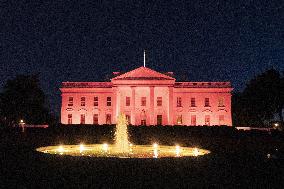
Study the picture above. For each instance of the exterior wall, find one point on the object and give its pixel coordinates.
(144, 82)
(200, 111)
(118, 104)
(89, 109)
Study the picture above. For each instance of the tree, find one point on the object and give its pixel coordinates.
(22, 98)
(260, 100)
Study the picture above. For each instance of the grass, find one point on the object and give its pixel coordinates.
(238, 159)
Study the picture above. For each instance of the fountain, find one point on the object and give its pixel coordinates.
(122, 148)
(121, 143)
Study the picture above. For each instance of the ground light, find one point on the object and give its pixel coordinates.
(82, 148)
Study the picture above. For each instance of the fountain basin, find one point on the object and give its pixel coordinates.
(135, 151)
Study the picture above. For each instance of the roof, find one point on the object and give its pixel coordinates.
(202, 85)
(86, 85)
(143, 73)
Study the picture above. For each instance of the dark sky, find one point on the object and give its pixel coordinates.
(86, 40)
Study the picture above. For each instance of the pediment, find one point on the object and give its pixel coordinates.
(143, 73)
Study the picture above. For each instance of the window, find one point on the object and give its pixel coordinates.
(221, 102)
(83, 101)
(143, 122)
(207, 120)
(69, 118)
(159, 119)
(178, 101)
(127, 101)
(159, 101)
(128, 119)
(221, 119)
(193, 120)
(70, 101)
(192, 102)
(108, 101)
(143, 101)
(206, 102)
(82, 120)
(96, 119)
(96, 101)
(108, 118)
(179, 120)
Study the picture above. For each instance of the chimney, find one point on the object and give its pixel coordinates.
(115, 73)
(171, 74)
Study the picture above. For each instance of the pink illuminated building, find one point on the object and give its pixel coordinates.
(147, 97)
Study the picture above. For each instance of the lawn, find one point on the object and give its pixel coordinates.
(237, 159)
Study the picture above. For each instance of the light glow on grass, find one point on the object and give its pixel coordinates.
(195, 152)
(82, 148)
(178, 150)
(60, 149)
(155, 145)
(105, 147)
(136, 151)
(156, 154)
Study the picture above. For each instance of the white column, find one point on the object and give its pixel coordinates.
(117, 102)
(170, 110)
(152, 100)
(114, 105)
(133, 112)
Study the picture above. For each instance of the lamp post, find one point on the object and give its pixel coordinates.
(22, 125)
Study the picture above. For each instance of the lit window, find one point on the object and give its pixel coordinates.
(96, 119)
(83, 101)
(221, 119)
(143, 101)
(179, 102)
(127, 101)
(96, 101)
(82, 120)
(108, 101)
(193, 120)
(207, 120)
(70, 101)
(108, 118)
(221, 102)
(159, 119)
(192, 102)
(159, 101)
(206, 102)
(179, 120)
(143, 122)
(69, 118)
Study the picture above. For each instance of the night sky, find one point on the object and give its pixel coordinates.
(85, 41)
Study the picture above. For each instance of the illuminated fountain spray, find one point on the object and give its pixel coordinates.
(178, 150)
(121, 135)
(155, 146)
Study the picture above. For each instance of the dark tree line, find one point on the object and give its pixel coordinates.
(260, 101)
(22, 98)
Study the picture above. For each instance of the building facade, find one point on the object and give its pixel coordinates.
(146, 97)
